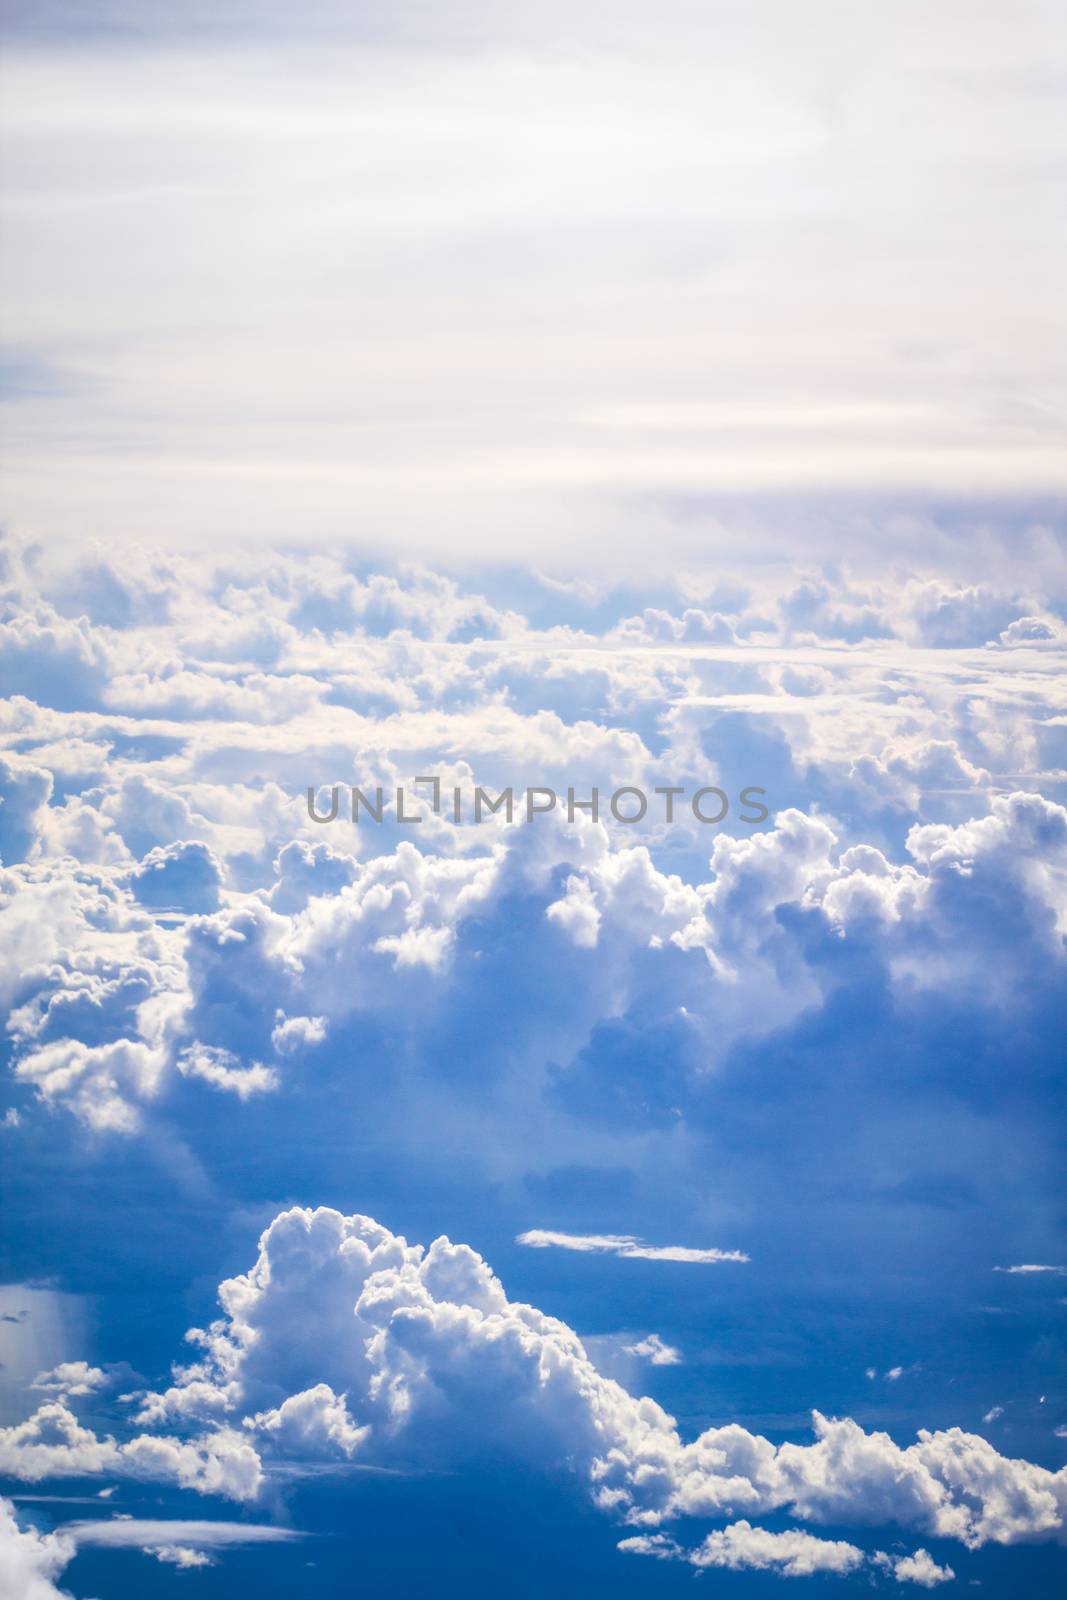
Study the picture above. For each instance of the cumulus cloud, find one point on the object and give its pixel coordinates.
(303, 871)
(70, 1380)
(47, 657)
(184, 876)
(182, 1556)
(52, 1443)
(919, 1568)
(24, 792)
(29, 1561)
(222, 1070)
(1030, 631)
(655, 1351)
(313, 1422)
(102, 1084)
(741, 1547)
(174, 827)
(343, 1341)
(726, 1015)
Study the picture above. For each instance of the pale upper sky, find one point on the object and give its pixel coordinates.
(544, 287)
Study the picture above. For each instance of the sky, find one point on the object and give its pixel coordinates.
(661, 405)
(489, 279)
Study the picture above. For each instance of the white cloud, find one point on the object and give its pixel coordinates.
(313, 1422)
(329, 933)
(290, 1034)
(183, 876)
(920, 1568)
(24, 792)
(659, 1545)
(69, 1379)
(741, 1547)
(222, 1070)
(52, 1443)
(30, 1560)
(106, 997)
(1030, 631)
(102, 1084)
(624, 1245)
(182, 1556)
(1032, 1267)
(577, 913)
(793, 1554)
(653, 1350)
(145, 1533)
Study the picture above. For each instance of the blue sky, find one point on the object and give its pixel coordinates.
(589, 400)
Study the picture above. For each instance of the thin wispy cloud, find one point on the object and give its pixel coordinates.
(1030, 1267)
(149, 1533)
(624, 1245)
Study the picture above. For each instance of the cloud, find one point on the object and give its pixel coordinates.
(291, 1034)
(184, 876)
(24, 791)
(655, 1351)
(755, 1012)
(43, 655)
(29, 1560)
(792, 1554)
(311, 1423)
(182, 1556)
(711, 1035)
(143, 1533)
(70, 1379)
(741, 1547)
(222, 1070)
(101, 1083)
(1028, 631)
(344, 1342)
(919, 1568)
(623, 1245)
(304, 870)
(52, 1443)
(1031, 1267)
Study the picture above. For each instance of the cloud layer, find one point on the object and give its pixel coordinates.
(775, 1060)
(344, 1342)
